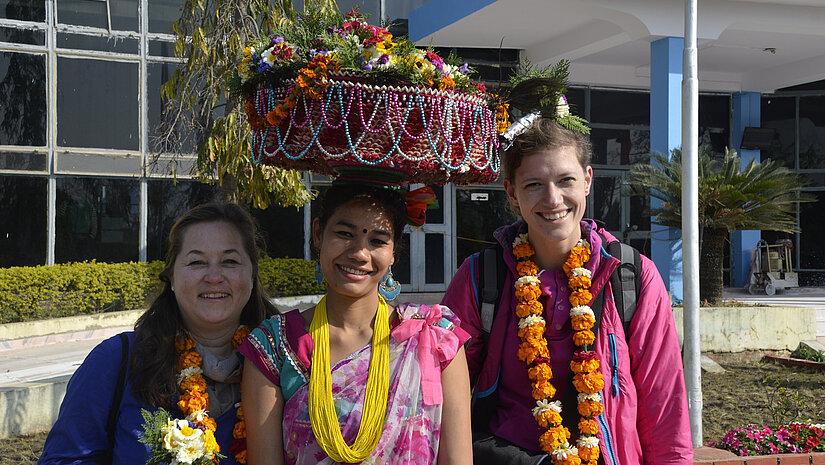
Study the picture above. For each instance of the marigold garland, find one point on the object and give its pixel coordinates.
(194, 400)
(533, 351)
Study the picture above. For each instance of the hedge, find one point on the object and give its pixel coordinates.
(39, 292)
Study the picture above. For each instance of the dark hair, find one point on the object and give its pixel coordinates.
(388, 200)
(153, 360)
(544, 134)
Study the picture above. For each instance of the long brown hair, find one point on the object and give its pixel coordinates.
(153, 376)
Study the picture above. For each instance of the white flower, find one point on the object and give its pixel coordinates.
(581, 272)
(530, 320)
(267, 57)
(521, 238)
(583, 243)
(198, 415)
(187, 372)
(544, 405)
(564, 451)
(594, 397)
(587, 441)
(528, 280)
(562, 108)
(581, 310)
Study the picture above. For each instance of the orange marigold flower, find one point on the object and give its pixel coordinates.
(526, 267)
(543, 390)
(272, 118)
(531, 307)
(529, 350)
(578, 282)
(193, 401)
(580, 322)
(590, 408)
(239, 413)
(446, 82)
(584, 366)
(193, 382)
(527, 293)
(588, 426)
(540, 371)
(583, 338)
(240, 430)
(590, 454)
(189, 360)
(240, 336)
(588, 383)
(581, 297)
(570, 460)
(184, 343)
(553, 437)
(523, 250)
(240, 457)
(207, 422)
(534, 331)
(291, 101)
(549, 419)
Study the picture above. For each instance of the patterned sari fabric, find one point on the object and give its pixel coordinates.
(423, 341)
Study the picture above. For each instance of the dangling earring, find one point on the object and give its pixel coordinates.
(319, 275)
(388, 287)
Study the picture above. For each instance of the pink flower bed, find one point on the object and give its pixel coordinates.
(795, 438)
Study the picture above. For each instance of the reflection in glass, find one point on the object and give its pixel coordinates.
(23, 99)
(106, 44)
(97, 219)
(159, 73)
(93, 13)
(811, 132)
(780, 114)
(607, 202)
(614, 107)
(97, 104)
(434, 258)
(22, 221)
(167, 202)
(23, 161)
(812, 224)
(24, 10)
(479, 212)
(162, 13)
(613, 147)
(22, 36)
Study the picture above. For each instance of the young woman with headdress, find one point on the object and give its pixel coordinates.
(356, 380)
(626, 403)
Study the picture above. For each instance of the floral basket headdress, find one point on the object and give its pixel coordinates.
(338, 96)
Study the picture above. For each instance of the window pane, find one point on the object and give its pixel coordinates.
(812, 224)
(97, 104)
(434, 258)
(97, 218)
(620, 107)
(436, 215)
(159, 73)
(160, 48)
(479, 211)
(22, 221)
(607, 202)
(104, 164)
(575, 99)
(162, 13)
(23, 99)
(613, 147)
(24, 10)
(780, 114)
(22, 36)
(93, 13)
(811, 132)
(23, 161)
(714, 123)
(167, 202)
(106, 44)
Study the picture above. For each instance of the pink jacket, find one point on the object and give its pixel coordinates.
(646, 416)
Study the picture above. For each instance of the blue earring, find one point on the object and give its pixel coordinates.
(319, 276)
(388, 287)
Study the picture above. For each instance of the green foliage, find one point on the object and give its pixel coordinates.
(809, 354)
(41, 292)
(152, 435)
(784, 403)
(761, 196)
(28, 293)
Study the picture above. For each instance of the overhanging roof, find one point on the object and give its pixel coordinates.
(745, 45)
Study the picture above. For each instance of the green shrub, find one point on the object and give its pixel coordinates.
(40, 292)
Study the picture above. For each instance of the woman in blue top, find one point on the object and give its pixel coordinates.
(210, 293)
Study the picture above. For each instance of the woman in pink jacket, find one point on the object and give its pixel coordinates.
(554, 381)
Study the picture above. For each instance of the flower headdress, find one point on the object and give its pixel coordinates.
(536, 93)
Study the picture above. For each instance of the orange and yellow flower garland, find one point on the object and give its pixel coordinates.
(194, 400)
(533, 351)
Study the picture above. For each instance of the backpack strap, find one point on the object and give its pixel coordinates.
(114, 411)
(626, 280)
(491, 270)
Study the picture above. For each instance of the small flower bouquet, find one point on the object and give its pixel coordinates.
(794, 438)
(173, 441)
(334, 95)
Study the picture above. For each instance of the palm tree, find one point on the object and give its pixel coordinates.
(761, 196)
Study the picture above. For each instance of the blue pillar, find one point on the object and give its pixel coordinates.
(746, 112)
(666, 134)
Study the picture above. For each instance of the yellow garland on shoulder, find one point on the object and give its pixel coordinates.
(534, 353)
(322, 414)
(194, 401)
